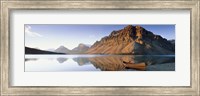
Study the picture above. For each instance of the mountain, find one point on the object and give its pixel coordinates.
(132, 40)
(172, 41)
(81, 48)
(50, 49)
(37, 51)
(62, 49)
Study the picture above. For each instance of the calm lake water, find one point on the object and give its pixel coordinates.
(61, 63)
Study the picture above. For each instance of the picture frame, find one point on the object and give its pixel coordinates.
(8, 5)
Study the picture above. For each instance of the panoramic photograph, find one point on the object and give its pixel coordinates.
(99, 47)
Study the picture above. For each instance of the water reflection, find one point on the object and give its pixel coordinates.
(103, 63)
(30, 59)
(61, 59)
(152, 60)
(81, 60)
(109, 63)
(124, 62)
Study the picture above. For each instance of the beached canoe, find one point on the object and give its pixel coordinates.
(137, 66)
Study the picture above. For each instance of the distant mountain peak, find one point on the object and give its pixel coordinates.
(81, 45)
(81, 48)
(61, 46)
(62, 49)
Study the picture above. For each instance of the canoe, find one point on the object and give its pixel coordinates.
(138, 66)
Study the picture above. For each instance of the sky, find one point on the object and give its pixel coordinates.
(51, 36)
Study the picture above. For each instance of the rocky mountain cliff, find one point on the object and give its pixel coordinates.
(132, 40)
(172, 41)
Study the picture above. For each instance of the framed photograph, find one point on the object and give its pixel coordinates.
(97, 47)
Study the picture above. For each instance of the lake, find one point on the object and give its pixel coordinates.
(62, 63)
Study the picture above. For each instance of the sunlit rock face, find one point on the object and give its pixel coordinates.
(132, 40)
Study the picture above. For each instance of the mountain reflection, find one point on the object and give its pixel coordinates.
(61, 60)
(109, 63)
(118, 62)
(100, 63)
(81, 61)
(153, 60)
(30, 59)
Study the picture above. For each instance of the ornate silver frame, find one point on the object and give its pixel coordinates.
(8, 5)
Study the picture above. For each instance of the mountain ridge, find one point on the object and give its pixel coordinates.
(81, 48)
(132, 40)
(29, 50)
(62, 49)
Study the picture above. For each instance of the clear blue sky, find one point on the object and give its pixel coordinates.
(47, 36)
